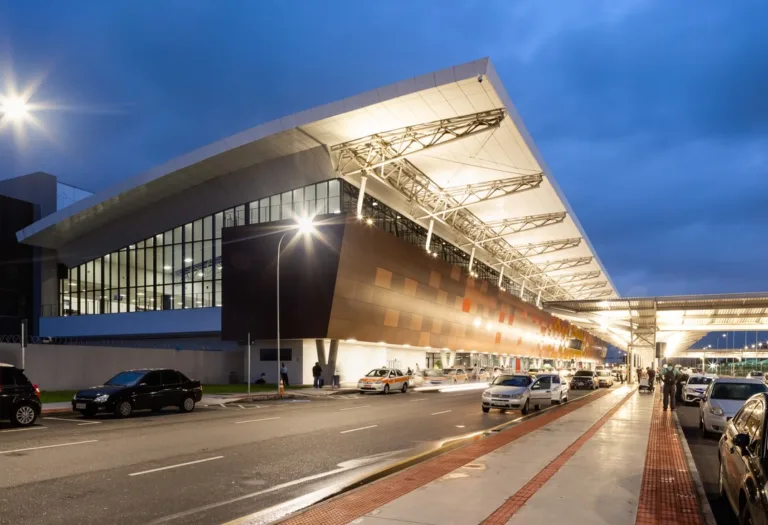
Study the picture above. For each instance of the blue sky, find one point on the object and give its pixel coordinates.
(653, 115)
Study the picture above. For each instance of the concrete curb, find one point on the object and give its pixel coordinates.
(45, 411)
(706, 510)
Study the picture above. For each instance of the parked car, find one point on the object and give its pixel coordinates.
(447, 376)
(417, 378)
(604, 378)
(724, 397)
(522, 392)
(754, 374)
(695, 387)
(585, 379)
(744, 462)
(478, 374)
(383, 380)
(19, 398)
(142, 389)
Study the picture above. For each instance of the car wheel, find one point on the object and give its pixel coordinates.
(486, 409)
(123, 409)
(23, 415)
(405, 388)
(188, 405)
(526, 408)
(386, 389)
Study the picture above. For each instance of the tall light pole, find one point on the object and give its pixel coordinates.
(305, 226)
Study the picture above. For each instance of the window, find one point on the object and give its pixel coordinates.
(556, 380)
(153, 379)
(754, 422)
(736, 391)
(21, 379)
(740, 419)
(270, 354)
(170, 377)
(544, 383)
(7, 377)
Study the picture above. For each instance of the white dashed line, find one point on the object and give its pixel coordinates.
(22, 429)
(356, 429)
(79, 422)
(48, 446)
(255, 420)
(354, 408)
(438, 413)
(418, 399)
(175, 466)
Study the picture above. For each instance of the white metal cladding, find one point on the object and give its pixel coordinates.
(484, 172)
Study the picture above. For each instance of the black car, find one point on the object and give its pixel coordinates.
(744, 461)
(138, 390)
(19, 398)
(585, 379)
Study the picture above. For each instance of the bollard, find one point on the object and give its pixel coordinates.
(280, 388)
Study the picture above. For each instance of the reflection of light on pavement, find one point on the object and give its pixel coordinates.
(468, 386)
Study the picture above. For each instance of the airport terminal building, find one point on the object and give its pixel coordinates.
(439, 233)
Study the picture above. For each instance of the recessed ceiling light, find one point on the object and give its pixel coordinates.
(166, 267)
(188, 260)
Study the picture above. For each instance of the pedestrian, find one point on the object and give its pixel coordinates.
(337, 375)
(284, 375)
(651, 378)
(316, 373)
(621, 376)
(669, 378)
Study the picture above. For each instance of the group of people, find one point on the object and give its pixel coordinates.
(671, 378)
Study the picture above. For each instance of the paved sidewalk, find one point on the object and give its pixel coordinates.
(605, 459)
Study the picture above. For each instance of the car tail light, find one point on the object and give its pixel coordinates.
(37, 390)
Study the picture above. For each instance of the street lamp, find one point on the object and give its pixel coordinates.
(305, 227)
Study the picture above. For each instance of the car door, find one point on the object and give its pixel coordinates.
(148, 391)
(556, 388)
(541, 391)
(7, 391)
(172, 392)
(754, 475)
(734, 466)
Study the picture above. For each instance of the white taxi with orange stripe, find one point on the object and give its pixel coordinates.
(384, 380)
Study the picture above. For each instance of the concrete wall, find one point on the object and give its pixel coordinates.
(65, 367)
(296, 374)
(189, 321)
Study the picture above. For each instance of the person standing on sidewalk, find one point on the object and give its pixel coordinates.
(651, 378)
(317, 372)
(669, 378)
(284, 374)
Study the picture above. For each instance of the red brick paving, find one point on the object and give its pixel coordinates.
(668, 495)
(515, 502)
(357, 503)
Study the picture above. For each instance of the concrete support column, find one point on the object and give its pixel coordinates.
(330, 370)
(429, 233)
(471, 259)
(361, 195)
(320, 351)
(452, 359)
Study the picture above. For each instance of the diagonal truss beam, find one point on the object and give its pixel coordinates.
(562, 264)
(541, 248)
(596, 295)
(563, 280)
(579, 287)
(373, 151)
(500, 229)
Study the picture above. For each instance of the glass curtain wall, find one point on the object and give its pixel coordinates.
(180, 268)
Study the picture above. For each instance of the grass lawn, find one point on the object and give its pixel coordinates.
(57, 396)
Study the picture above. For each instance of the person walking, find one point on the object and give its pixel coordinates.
(284, 374)
(317, 372)
(651, 378)
(669, 378)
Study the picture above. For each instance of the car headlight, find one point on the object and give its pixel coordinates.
(101, 399)
(516, 396)
(378, 382)
(716, 410)
(486, 394)
(74, 397)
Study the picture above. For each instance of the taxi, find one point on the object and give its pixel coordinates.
(383, 380)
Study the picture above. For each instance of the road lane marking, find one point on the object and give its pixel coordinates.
(255, 420)
(438, 413)
(48, 446)
(78, 421)
(354, 408)
(175, 466)
(356, 429)
(418, 399)
(21, 429)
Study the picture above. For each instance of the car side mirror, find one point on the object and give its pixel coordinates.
(742, 441)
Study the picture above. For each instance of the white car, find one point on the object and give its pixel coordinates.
(723, 399)
(694, 388)
(754, 374)
(604, 378)
(523, 392)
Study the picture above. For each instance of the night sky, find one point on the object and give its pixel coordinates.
(653, 115)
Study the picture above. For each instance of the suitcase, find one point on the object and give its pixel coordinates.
(322, 382)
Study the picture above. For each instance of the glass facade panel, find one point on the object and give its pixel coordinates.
(181, 267)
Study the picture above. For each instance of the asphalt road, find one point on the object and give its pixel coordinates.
(704, 451)
(217, 464)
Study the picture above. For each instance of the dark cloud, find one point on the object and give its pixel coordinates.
(651, 114)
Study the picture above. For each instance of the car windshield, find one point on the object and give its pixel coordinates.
(737, 391)
(449, 371)
(699, 380)
(512, 381)
(377, 373)
(125, 379)
(584, 373)
(603, 373)
(432, 373)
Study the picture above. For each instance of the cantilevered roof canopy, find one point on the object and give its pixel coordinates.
(679, 321)
(449, 145)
